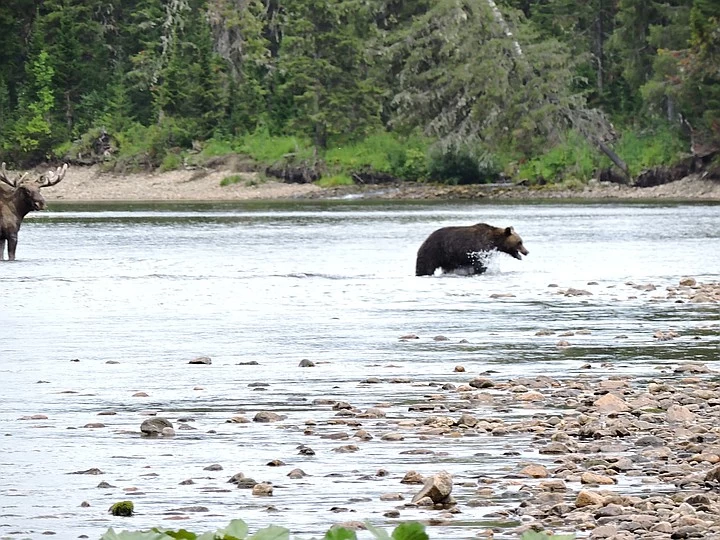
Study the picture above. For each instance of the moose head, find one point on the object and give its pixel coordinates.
(22, 197)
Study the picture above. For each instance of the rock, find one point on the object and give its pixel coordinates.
(594, 478)
(267, 416)
(713, 475)
(392, 497)
(604, 531)
(649, 440)
(235, 478)
(152, 427)
(535, 471)
(262, 490)
(588, 498)
(611, 404)
(306, 363)
(481, 382)
(680, 414)
(412, 477)
(688, 282)
(122, 508)
(296, 473)
(346, 449)
(437, 488)
(201, 360)
(467, 420)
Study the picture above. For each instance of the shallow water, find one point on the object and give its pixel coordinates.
(149, 287)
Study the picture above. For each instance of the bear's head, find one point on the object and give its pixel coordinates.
(512, 244)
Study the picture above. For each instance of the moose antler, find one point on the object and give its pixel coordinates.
(52, 177)
(5, 178)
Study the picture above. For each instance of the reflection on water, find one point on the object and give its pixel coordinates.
(108, 301)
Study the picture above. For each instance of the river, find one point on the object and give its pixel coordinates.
(107, 304)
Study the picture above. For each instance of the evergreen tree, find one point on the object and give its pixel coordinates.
(32, 132)
(326, 71)
(463, 79)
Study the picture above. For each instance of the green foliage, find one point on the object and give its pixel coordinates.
(232, 179)
(171, 161)
(122, 508)
(32, 131)
(349, 77)
(326, 69)
(462, 164)
(216, 147)
(572, 158)
(336, 180)
(266, 148)
(402, 157)
(238, 530)
(650, 148)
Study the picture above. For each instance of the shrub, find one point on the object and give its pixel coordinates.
(230, 180)
(572, 158)
(171, 162)
(646, 149)
(266, 148)
(462, 165)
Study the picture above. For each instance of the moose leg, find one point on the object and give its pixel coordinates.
(2, 249)
(12, 245)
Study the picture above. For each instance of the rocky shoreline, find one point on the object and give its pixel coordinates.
(89, 184)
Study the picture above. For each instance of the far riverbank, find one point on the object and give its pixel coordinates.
(89, 184)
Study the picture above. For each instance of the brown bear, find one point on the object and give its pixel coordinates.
(462, 248)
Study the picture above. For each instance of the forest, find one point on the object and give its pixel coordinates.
(448, 90)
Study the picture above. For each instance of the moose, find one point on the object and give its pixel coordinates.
(22, 196)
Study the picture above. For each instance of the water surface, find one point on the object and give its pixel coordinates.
(107, 301)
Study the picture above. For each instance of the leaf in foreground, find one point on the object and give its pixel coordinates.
(273, 532)
(340, 533)
(410, 531)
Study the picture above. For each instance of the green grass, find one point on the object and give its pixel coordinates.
(382, 152)
(266, 148)
(336, 180)
(230, 180)
(643, 150)
(216, 147)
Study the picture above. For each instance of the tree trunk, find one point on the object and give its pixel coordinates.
(497, 14)
(614, 158)
(599, 50)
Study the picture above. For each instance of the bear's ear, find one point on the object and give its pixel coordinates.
(508, 231)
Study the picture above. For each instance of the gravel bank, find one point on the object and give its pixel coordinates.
(90, 184)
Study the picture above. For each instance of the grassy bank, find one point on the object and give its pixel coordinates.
(384, 156)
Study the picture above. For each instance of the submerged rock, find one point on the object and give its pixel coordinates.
(153, 427)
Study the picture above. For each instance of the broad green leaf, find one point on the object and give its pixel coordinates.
(237, 529)
(410, 531)
(272, 532)
(340, 533)
(153, 534)
(182, 534)
(377, 532)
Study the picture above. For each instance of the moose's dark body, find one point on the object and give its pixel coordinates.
(19, 197)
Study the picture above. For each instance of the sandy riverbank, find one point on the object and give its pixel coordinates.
(90, 184)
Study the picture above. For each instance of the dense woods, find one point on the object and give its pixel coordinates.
(450, 89)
